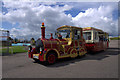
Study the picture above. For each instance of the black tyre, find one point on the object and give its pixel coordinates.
(36, 60)
(51, 58)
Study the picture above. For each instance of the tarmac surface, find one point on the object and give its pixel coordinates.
(103, 64)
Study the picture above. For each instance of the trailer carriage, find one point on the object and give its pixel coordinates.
(96, 39)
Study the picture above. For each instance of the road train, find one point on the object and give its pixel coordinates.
(69, 41)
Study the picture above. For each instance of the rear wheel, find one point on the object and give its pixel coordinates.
(51, 58)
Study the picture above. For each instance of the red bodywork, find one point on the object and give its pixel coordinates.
(55, 44)
(66, 47)
(93, 47)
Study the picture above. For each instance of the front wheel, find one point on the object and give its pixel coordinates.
(51, 58)
(36, 60)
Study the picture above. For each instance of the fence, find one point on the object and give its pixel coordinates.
(4, 42)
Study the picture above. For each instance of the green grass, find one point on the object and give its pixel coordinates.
(14, 49)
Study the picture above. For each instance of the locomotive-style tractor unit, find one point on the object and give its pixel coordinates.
(96, 39)
(69, 42)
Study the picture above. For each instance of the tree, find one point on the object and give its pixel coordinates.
(32, 39)
(15, 39)
(9, 38)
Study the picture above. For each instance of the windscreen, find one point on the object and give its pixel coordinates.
(64, 33)
(87, 35)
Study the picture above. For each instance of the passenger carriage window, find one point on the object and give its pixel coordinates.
(87, 35)
(63, 33)
(77, 34)
(104, 38)
(101, 38)
(96, 36)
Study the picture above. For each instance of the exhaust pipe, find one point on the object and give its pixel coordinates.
(43, 31)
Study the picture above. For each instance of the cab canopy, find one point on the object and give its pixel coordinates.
(70, 32)
(68, 27)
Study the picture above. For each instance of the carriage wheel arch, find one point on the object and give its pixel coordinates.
(73, 53)
(51, 51)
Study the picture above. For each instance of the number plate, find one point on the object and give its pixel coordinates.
(36, 56)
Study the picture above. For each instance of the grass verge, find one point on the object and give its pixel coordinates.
(13, 49)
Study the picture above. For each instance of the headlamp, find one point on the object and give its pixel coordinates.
(30, 48)
(40, 49)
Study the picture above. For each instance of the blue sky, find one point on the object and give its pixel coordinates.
(23, 19)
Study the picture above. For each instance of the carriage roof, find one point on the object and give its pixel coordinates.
(91, 28)
(66, 26)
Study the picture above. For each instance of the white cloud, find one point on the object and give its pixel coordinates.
(30, 18)
(98, 17)
(31, 15)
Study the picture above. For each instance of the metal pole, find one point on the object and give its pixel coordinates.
(8, 42)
